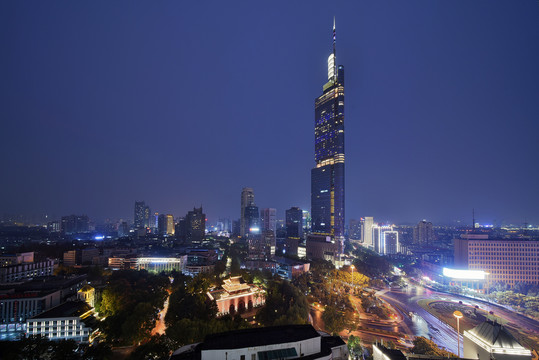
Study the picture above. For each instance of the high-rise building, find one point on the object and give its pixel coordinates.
(268, 217)
(327, 177)
(385, 239)
(366, 232)
(165, 224)
(247, 199)
(306, 222)
(142, 215)
(73, 224)
(354, 231)
(195, 226)
(423, 233)
(294, 223)
(391, 243)
(251, 219)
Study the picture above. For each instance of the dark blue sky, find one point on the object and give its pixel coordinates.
(184, 103)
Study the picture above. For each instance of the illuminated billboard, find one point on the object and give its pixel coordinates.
(464, 274)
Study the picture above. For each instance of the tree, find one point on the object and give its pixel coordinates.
(158, 347)
(333, 319)
(425, 346)
(354, 346)
(285, 305)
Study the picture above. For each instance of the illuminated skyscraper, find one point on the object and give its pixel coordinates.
(247, 199)
(327, 178)
(142, 215)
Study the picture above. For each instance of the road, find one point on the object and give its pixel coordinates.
(422, 323)
(160, 325)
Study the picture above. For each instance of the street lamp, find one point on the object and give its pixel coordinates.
(458, 315)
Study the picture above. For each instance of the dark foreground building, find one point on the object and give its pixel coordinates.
(327, 178)
(277, 342)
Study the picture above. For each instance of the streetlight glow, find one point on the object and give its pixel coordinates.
(458, 315)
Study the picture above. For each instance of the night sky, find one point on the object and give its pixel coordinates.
(182, 103)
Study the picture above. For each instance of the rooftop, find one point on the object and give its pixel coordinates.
(67, 309)
(496, 335)
(258, 337)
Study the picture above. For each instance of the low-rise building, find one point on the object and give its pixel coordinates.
(26, 271)
(277, 342)
(18, 306)
(70, 320)
(237, 296)
(491, 340)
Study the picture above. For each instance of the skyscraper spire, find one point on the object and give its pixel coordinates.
(332, 59)
(334, 37)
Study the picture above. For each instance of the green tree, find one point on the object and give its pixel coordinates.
(285, 304)
(159, 347)
(354, 346)
(334, 320)
(425, 346)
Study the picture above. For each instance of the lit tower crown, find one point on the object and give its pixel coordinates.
(332, 59)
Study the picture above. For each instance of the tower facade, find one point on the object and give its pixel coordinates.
(327, 177)
(142, 215)
(268, 218)
(247, 200)
(294, 223)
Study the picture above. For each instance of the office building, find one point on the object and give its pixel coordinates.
(506, 261)
(74, 224)
(366, 232)
(294, 223)
(261, 245)
(354, 230)
(306, 222)
(80, 256)
(142, 215)
(327, 177)
(322, 247)
(247, 199)
(165, 225)
(195, 226)
(423, 233)
(251, 220)
(268, 218)
(391, 243)
(277, 342)
(381, 235)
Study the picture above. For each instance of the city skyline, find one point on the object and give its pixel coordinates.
(155, 104)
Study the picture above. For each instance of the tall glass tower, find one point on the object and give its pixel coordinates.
(327, 177)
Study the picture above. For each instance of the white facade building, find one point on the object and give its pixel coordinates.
(278, 342)
(71, 320)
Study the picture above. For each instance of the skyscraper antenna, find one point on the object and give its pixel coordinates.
(473, 219)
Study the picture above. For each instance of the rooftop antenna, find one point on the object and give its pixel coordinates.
(473, 219)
